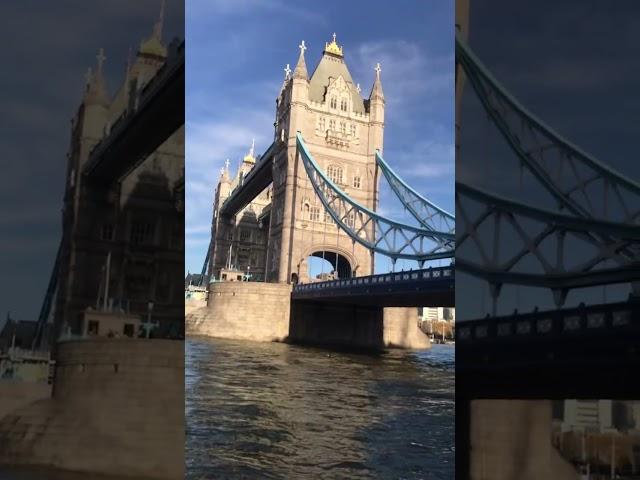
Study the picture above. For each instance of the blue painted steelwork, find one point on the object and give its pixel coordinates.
(375, 232)
(423, 210)
(45, 309)
(572, 176)
(609, 230)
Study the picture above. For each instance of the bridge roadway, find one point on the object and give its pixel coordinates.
(429, 287)
(139, 132)
(584, 352)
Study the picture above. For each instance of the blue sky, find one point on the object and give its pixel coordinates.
(237, 50)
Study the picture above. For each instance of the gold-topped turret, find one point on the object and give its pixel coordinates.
(333, 47)
(250, 158)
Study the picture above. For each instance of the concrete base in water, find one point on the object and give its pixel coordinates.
(263, 312)
(512, 439)
(117, 409)
(243, 311)
(16, 395)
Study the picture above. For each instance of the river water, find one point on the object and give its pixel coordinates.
(278, 411)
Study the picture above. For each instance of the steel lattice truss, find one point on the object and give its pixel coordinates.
(430, 216)
(599, 209)
(580, 184)
(519, 244)
(375, 232)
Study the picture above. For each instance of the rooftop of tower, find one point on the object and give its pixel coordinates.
(331, 66)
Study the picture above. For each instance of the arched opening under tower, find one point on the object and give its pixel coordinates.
(328, 265)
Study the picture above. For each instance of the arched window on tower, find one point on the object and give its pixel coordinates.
(334, 102)
(356, 181)
(335, 174)
(332, 125)
(352, 128)
(306, 211)
(343, 105)
(322, 124)
(343, 128)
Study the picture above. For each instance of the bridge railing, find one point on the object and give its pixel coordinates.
(436, 273)
(579, 321)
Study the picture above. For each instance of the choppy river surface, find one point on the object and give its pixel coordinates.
(269, 410)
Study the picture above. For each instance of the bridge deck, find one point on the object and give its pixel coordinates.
(138, 133)
(416, 288)
(586, 352)
(259, 178)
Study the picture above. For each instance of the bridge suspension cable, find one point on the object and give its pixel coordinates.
(430, 215)
(573, 177)
(368, 228)
(537, 254)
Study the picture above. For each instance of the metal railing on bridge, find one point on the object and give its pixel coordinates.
(372, 284)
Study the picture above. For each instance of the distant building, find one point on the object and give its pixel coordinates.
(17, 333)
(438, 313)
(195, 279)
(587, 416)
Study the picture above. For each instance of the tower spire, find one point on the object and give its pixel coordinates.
(153, 45)
(301, 67)
(157, 28)
(376, 91)
(95, 91)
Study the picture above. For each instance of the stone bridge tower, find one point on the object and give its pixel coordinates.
(342, 131)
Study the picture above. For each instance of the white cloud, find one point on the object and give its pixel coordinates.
(407, 70)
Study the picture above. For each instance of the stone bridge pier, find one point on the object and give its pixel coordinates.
(265, 312)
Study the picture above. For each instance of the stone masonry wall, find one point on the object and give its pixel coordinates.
(243, 310)
(401, 329)
(117, 409)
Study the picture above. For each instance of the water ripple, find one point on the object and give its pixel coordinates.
(279, 411)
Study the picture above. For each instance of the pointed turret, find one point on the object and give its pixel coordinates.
(96, 92)
(224, 173)
(301, 67)
(376, 113)
(376, 91)
(153, 45)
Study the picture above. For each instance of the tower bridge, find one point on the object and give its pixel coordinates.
(315, 193)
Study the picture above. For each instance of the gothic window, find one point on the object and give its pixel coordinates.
(343, 105)
(327, 217)
(245, 235)
(141, 233)
(334, 102)
(322, 124)
(230, 236)
(314, 215)
(305, 210)
(353, 130)
(356, 181)
(332, 125)
(335, 174)
(343, 128)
